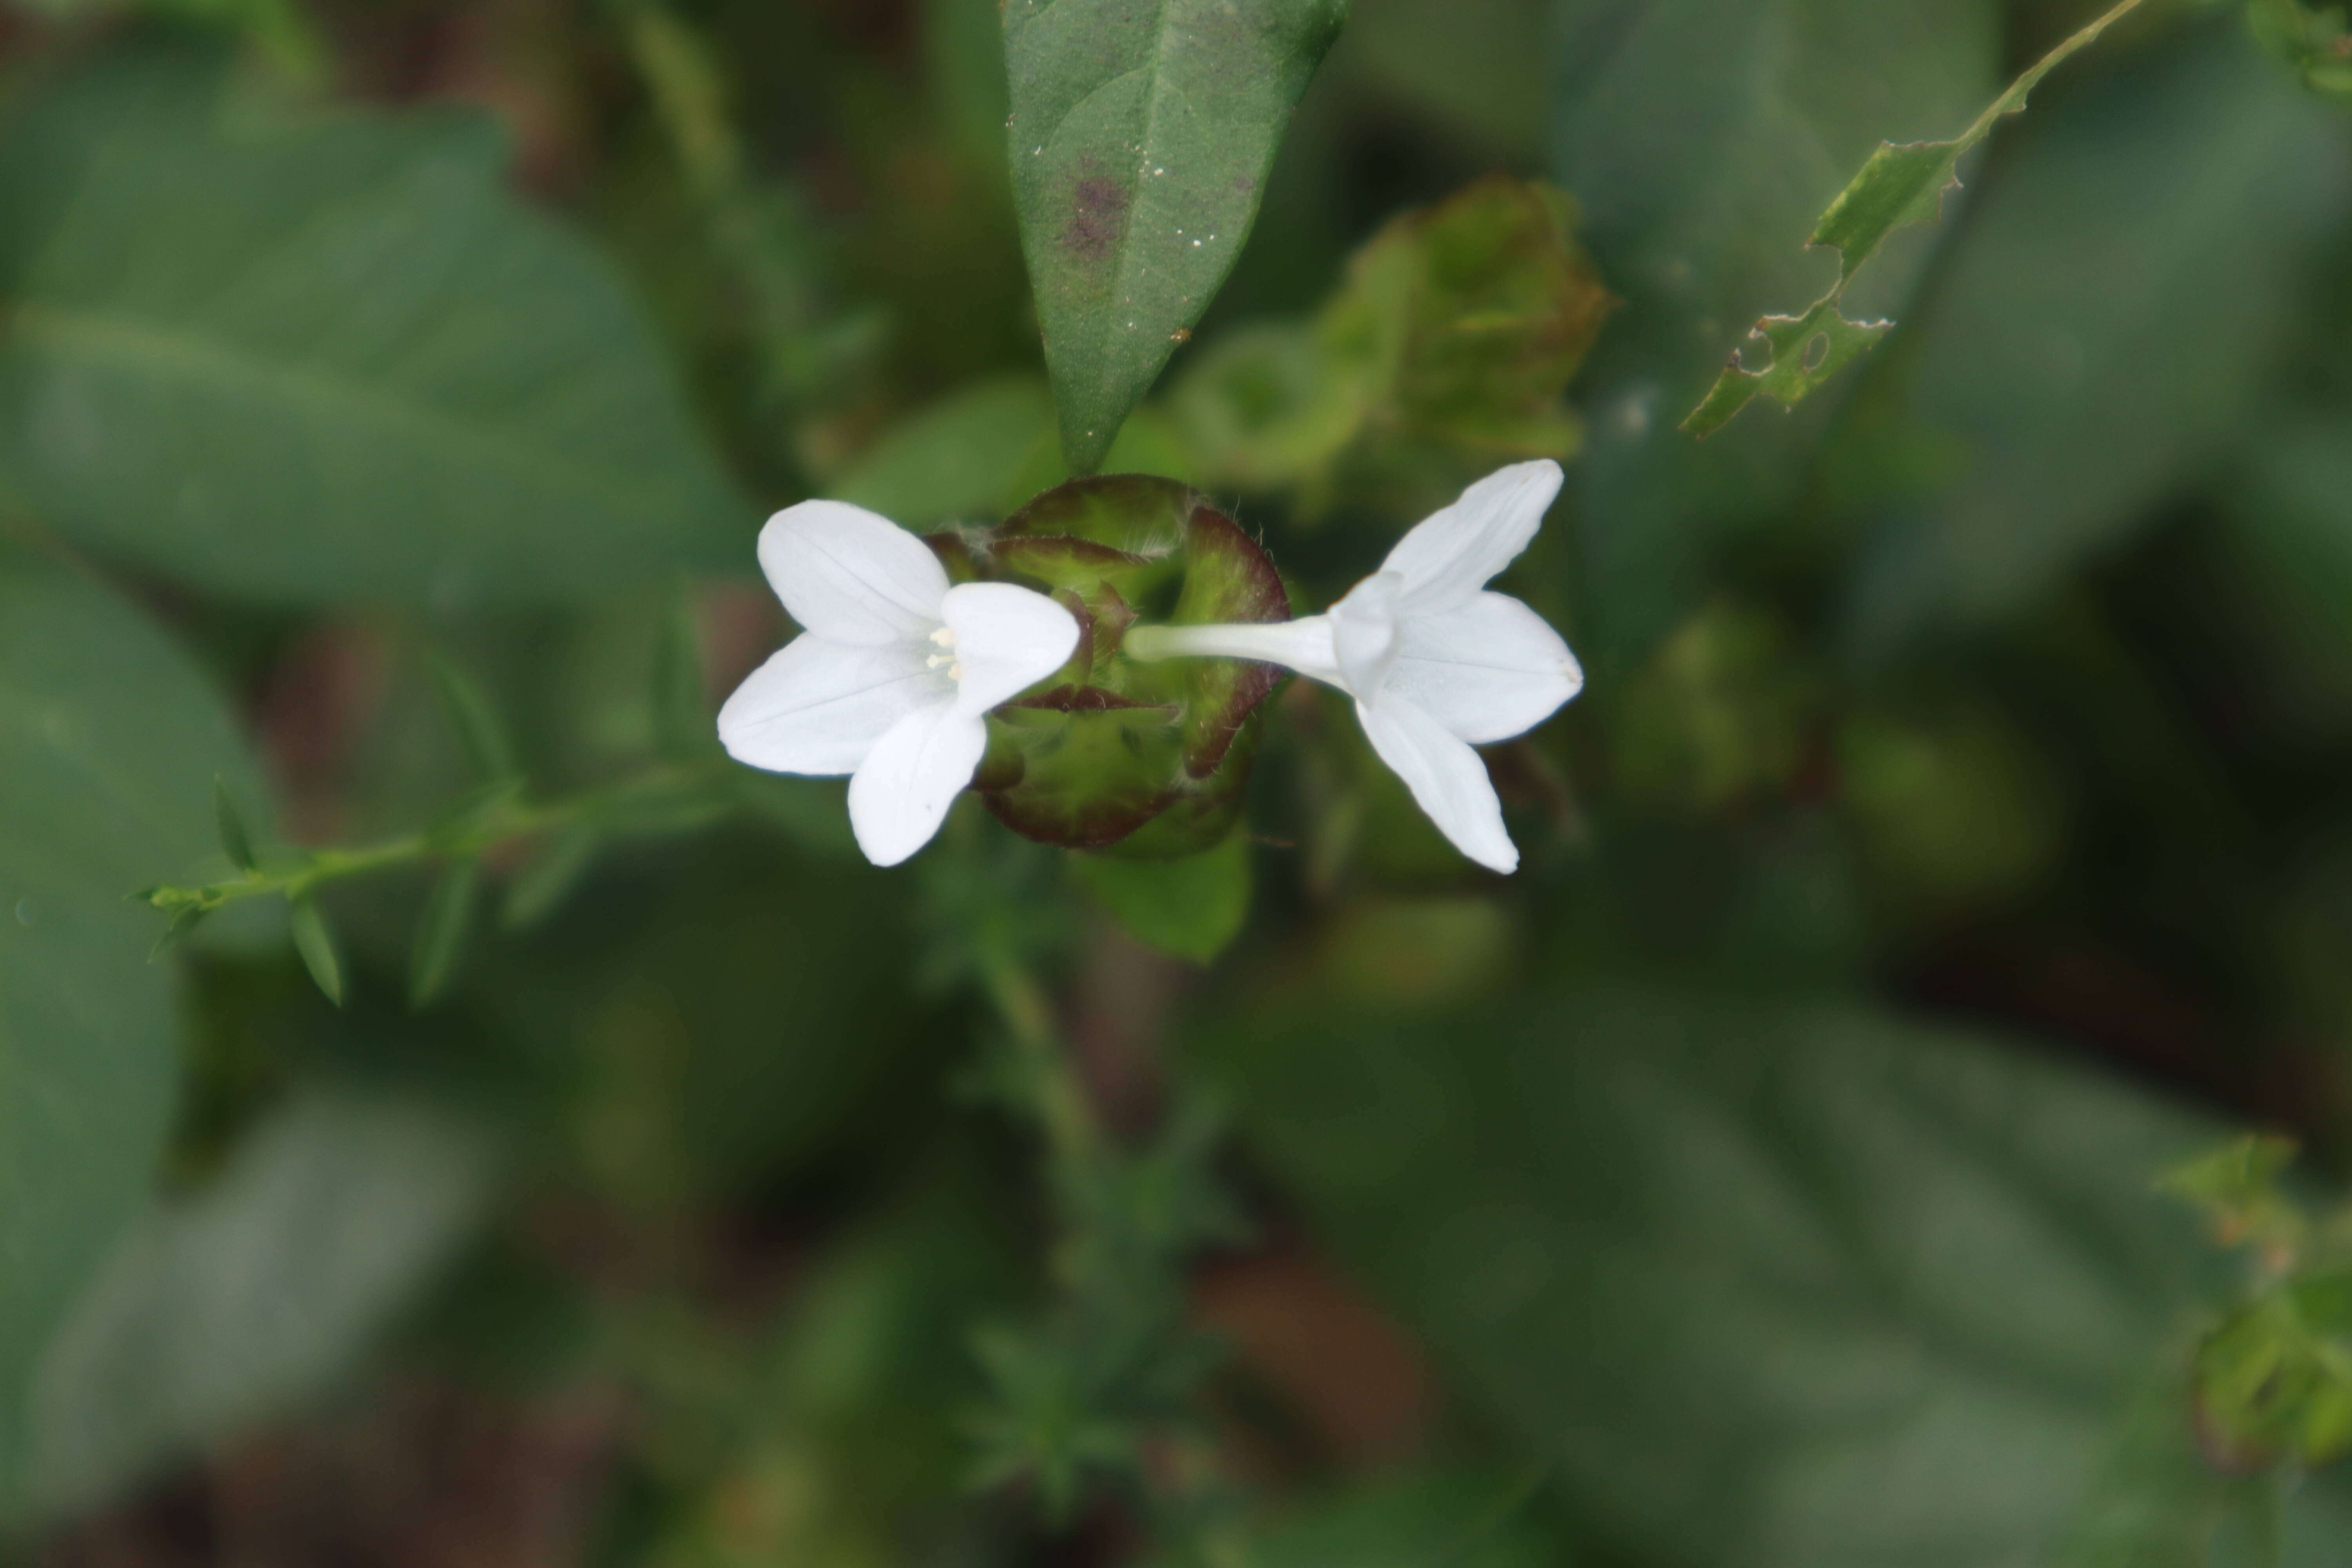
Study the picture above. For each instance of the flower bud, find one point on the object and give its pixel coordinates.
(1148, 761)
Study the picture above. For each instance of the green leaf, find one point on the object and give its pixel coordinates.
(955, 460)
(316, 944)
(1703, 138)
(1193, 907)
(550, 875)
(236, 1304)
(1900, 186)
(1141, 138)
(1774, 1285)
(441, 933)
(2071, 407)
(300, 357)
(476, 719)
(236, 842)
(109, 745)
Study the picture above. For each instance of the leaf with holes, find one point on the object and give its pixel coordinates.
(1900, 186)
(1141, 138)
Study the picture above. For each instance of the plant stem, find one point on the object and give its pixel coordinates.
(2012, 101)
(1072, 1130)
(502, 815)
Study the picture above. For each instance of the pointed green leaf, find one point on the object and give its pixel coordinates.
(300, 357)
(183, 921)
(1141, 138)
(316, 943)
(441, 935)
(476, 718)
(551, 875)
(236, 842)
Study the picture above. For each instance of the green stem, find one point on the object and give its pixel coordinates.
(1072, 1132)
(2018, 90)
(502, 819)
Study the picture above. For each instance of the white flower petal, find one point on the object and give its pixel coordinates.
(1454, 554)
(1007, 639)
(1487, 669)
(1364, 631)
(818, 705)
(901, 793)
(848, 574)
(1447, 779)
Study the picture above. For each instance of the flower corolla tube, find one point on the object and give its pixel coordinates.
(1435, 662)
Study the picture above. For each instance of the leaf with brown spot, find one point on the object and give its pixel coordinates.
(1141, 136)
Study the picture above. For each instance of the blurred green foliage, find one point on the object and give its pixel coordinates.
(1952, 841)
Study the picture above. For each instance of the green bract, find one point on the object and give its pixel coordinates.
(1446, 352)
(1148, 758)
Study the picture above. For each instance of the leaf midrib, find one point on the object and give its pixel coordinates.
(190, 358)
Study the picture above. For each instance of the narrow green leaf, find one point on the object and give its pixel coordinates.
(1193, 907)
(550, 875)
(183, 921)
(476, 718)
(316, 943)
(1141, 138)
(236, 842)
(683, 724)
(1900, 186)
(441, 935)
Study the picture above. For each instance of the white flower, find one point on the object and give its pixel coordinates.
(1436, 665)
(892, 677)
